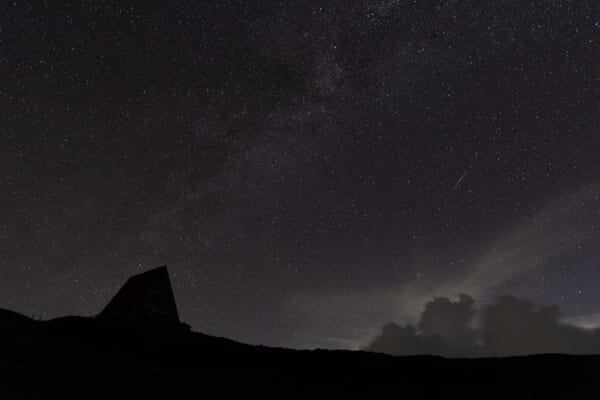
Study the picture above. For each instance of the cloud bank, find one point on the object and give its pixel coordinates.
(564, 227)
(508, 327)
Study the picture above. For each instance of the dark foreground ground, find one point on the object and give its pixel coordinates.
(85, 358)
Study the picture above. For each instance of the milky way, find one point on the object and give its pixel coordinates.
(296, 164)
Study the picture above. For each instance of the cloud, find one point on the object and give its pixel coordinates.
(449, 320)
(589, 321)
(560, 227)
(509, 327)
(557, 230)
(444, 329)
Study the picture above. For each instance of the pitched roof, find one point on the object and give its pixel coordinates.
(145, 296)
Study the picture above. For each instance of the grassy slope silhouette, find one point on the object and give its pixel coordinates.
(99, 357)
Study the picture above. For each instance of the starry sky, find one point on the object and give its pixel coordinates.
(307, 170)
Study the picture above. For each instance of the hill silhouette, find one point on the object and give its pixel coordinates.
(136, 348)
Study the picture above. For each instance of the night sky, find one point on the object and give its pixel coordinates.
(308, 170)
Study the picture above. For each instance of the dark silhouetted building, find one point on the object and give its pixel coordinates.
(147, 296)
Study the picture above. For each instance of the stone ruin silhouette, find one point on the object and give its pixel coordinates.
(144, 297)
